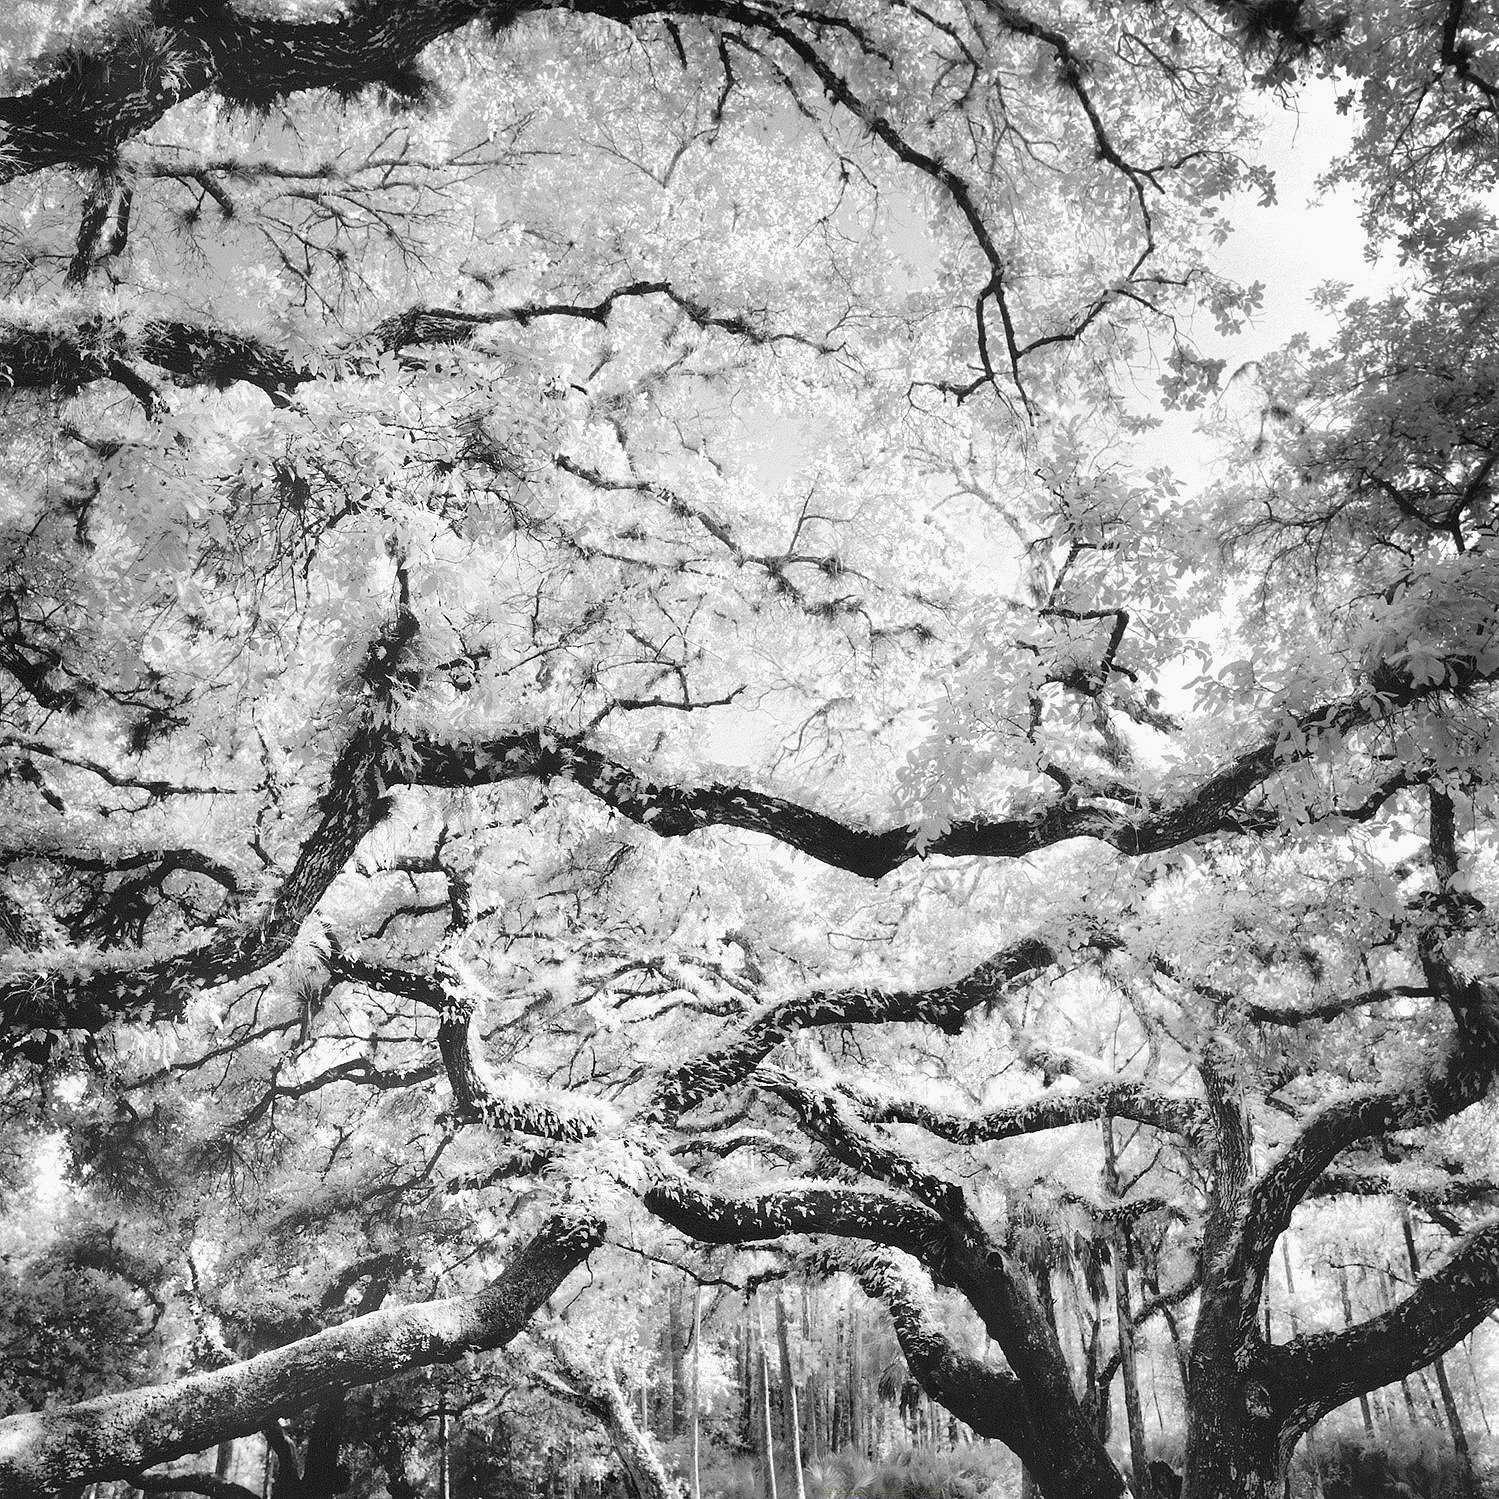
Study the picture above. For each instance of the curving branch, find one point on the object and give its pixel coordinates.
(1429, 1192)
(62, 357)
(1321, 1371)
(986, 1398)
(89, 996)
(1215, 804)
(158, 863)
(826, 1116)
(945, 1006)
(115, 1436)
(1444, 1089)
(719, 1217)
(92, 97)
(475, 1100)
(588, 1384)
(449, 326)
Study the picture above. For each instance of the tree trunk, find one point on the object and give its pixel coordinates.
(697, 1392)
(1124, 1321)
(320, 1470)
(790, 1417)
(1235, 1441)
(1293, 1317)
(677, 1409)
(1128, 1369)
(767, 1434)
(1363, 1400)
(1449, 1402)
(855, 1384)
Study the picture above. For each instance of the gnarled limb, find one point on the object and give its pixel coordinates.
(118, 1435)
(1122, 1098)
(92, 994)
(66, 357)
(1320, 1371)
(93, 97)
(987, 1398)
(719, 1217)
(944, 1005)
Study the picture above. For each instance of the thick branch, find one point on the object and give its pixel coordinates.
(1119, 1099)
(1323, 1370)
(1213, 805)
(207, 1484)
(986, 1398)
(827, 1118)
(718, 1217)
(944, 1005)
(95, 96)
(56, 356)
(1446, 1088)
(475, 1101)
(134, 988)
(117, 1435)
(89, 995)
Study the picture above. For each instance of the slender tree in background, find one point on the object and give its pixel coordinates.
(594, 640)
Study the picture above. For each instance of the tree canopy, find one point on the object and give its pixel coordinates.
(659, 625)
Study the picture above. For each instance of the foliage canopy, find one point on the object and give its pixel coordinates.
(596, 644)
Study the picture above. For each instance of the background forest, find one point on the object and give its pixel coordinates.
(710, 782)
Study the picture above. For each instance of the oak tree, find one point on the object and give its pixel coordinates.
(592, 624)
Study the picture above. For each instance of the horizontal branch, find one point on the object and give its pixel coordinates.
(719, 1217)
(91, 995)
(64, 357)
(116, 1436)
(208, 1484)
(450, 325)
(91, 98)
(1119, 1099)
(945, 1006)
(1214, 805)
(1431, 1191)
(1331, 1009)
(158, 862)
(59, 357)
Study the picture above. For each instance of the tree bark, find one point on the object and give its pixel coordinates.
(596, 1391)
(1363, 1400)
(118, 1435)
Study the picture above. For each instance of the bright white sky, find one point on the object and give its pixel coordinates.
(1307, 237)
